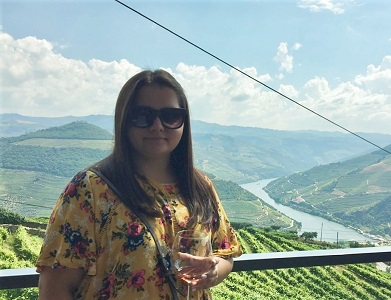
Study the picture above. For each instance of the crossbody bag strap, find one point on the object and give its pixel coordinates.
(161, 256)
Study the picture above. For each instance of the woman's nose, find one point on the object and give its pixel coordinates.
(157, 124)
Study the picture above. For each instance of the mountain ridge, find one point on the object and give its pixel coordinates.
(238, 154)
(225, 156)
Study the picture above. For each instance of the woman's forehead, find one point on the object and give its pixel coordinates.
(159, 96)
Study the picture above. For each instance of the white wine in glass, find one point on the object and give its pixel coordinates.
(193, 242)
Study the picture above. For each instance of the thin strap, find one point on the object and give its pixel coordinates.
(143, 219)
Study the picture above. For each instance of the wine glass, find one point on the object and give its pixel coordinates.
(191, 242)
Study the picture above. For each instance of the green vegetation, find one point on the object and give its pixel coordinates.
(245, 154)
(74, 130)
(29, 193)
(8, 217)
(258, 214)
(33, 194)
(61, 151)
(57, 161)
(361, 281)
(106, 145)
(238, 154)
(35, 168)
(20, 247)
(243, 206)
(355, 192)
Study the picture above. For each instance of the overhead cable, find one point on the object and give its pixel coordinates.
(251, 77)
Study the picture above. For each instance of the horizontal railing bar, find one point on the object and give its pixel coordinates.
(311, 258)
(18, 278)
(27, 277)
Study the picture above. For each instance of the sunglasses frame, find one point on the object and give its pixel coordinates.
(156, 113)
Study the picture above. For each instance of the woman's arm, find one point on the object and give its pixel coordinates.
(224, 267)
(59, 284)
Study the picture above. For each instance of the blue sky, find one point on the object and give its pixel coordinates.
(71, 58)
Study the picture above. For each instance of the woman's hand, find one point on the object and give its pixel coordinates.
(204, 272)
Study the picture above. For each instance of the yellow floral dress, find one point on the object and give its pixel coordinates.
(90, 228)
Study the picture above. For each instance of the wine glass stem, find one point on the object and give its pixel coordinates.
(188, 291)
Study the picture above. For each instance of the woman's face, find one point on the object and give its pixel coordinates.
(156, 141)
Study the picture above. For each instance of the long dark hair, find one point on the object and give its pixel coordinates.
(120, 168)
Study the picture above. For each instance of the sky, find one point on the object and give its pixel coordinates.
(331, 58)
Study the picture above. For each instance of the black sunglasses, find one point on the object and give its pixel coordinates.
(171, 118)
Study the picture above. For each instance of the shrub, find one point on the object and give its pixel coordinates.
(7, 217)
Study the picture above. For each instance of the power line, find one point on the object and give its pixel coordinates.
(251, 77)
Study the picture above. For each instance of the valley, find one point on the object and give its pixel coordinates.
(353, 190)
(36, 166)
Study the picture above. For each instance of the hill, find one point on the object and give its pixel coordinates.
(334, 191)
(36, 193)
(15, 125)
(30, 161)
(60, 151)
(238, 154)
(356, 192)
(74, 130)
(377, 216)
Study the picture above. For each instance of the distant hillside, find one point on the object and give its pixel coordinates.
(30, 161)
(15, 125)
(250, 154)
(239, 154)
(339, 191)
(45, 151)
(377, 216)
(75, 130)
(355, 192)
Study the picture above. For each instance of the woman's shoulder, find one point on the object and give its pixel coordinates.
(86, 181)
(85, 175)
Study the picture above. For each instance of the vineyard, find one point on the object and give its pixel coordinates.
(363, 281)
(360, 281)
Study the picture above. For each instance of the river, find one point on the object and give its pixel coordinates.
(327, 230)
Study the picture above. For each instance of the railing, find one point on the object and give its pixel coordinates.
(27, 277)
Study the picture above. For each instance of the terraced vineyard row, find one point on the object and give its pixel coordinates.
(360, 281)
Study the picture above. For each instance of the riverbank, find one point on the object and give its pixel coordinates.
(327, 230)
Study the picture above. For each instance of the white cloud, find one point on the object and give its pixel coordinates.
(285, 60)
(335, 6)
(218, 97)
(289, 91)
(37, 81)
(377, 79)
(297, 46)
(350, 105)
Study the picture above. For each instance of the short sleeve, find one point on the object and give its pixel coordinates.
(224, 240)
(70, 235)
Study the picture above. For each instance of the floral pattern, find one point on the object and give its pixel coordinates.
(90, 228)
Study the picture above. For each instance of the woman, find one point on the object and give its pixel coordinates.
(98, 245)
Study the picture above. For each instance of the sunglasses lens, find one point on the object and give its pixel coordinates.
(172, 117)
(141, 117)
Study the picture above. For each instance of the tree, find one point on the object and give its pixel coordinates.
(309, 235)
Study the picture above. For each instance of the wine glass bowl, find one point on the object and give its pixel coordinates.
(190, 243)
